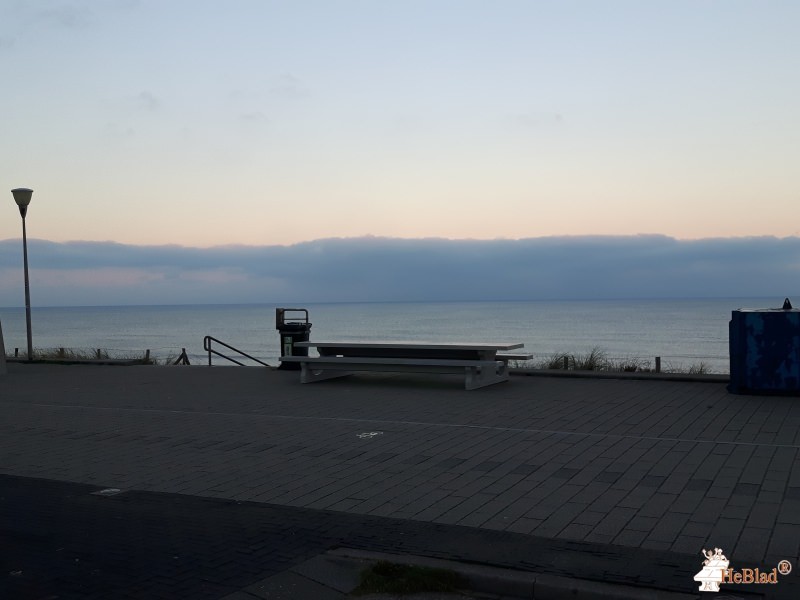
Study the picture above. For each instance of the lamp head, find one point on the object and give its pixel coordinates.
(22, 196)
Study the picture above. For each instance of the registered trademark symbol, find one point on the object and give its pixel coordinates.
(784, 567)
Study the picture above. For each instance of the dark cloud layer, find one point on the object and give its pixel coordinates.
(389, 269)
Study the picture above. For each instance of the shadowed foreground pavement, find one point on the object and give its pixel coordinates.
(240, 473)
(66, 542)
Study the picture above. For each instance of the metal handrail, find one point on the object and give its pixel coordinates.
(207, 347)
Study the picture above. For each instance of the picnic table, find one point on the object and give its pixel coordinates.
(479, 362)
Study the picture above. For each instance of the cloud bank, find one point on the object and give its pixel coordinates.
(372, 269)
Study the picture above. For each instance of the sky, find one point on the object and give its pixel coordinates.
(274, 124)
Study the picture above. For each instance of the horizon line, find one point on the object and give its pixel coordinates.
(583, 236)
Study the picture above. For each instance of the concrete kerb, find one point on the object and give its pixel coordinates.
(102, 362)
(482, 578)
(682, 377)
(520, 371)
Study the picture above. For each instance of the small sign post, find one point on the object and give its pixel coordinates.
(2, 352)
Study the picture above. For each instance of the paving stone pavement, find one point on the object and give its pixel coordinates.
(661, 466)
(62, 540)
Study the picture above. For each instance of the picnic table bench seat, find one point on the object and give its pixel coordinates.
(507, 357)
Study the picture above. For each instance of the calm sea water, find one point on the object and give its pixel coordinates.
(682, 332)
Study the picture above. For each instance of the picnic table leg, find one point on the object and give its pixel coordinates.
(477, 377)
(310, 374)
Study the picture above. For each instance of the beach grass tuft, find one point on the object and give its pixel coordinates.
(700, 368)
(85, 355)
(597, 359)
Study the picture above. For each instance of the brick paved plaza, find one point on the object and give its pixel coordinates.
(659, 465)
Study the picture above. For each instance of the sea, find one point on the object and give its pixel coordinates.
(685, 333)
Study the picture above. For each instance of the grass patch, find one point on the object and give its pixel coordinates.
(698, 368)
(597, 359)
(555, 361)
(385, 577)
(594, 360)
(630, 365)
(69, 354)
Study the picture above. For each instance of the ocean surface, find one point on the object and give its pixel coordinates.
(682, 332)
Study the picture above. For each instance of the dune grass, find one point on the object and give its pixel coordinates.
(85, 355)
(597, 359)
(698, 368)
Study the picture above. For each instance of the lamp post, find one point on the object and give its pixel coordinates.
(22, 196)
(2, 352)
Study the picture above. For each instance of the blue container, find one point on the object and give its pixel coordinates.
(765, 351)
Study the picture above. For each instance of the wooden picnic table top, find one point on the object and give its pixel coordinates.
(479, 346)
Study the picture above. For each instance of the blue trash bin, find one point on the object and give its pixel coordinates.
(765, 351)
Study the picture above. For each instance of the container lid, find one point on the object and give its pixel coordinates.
(768, 310)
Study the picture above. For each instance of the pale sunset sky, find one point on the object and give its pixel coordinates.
(458, 149)
(258, 122)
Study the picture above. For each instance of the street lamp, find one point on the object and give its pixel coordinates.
(2, 352)
(22, 196)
